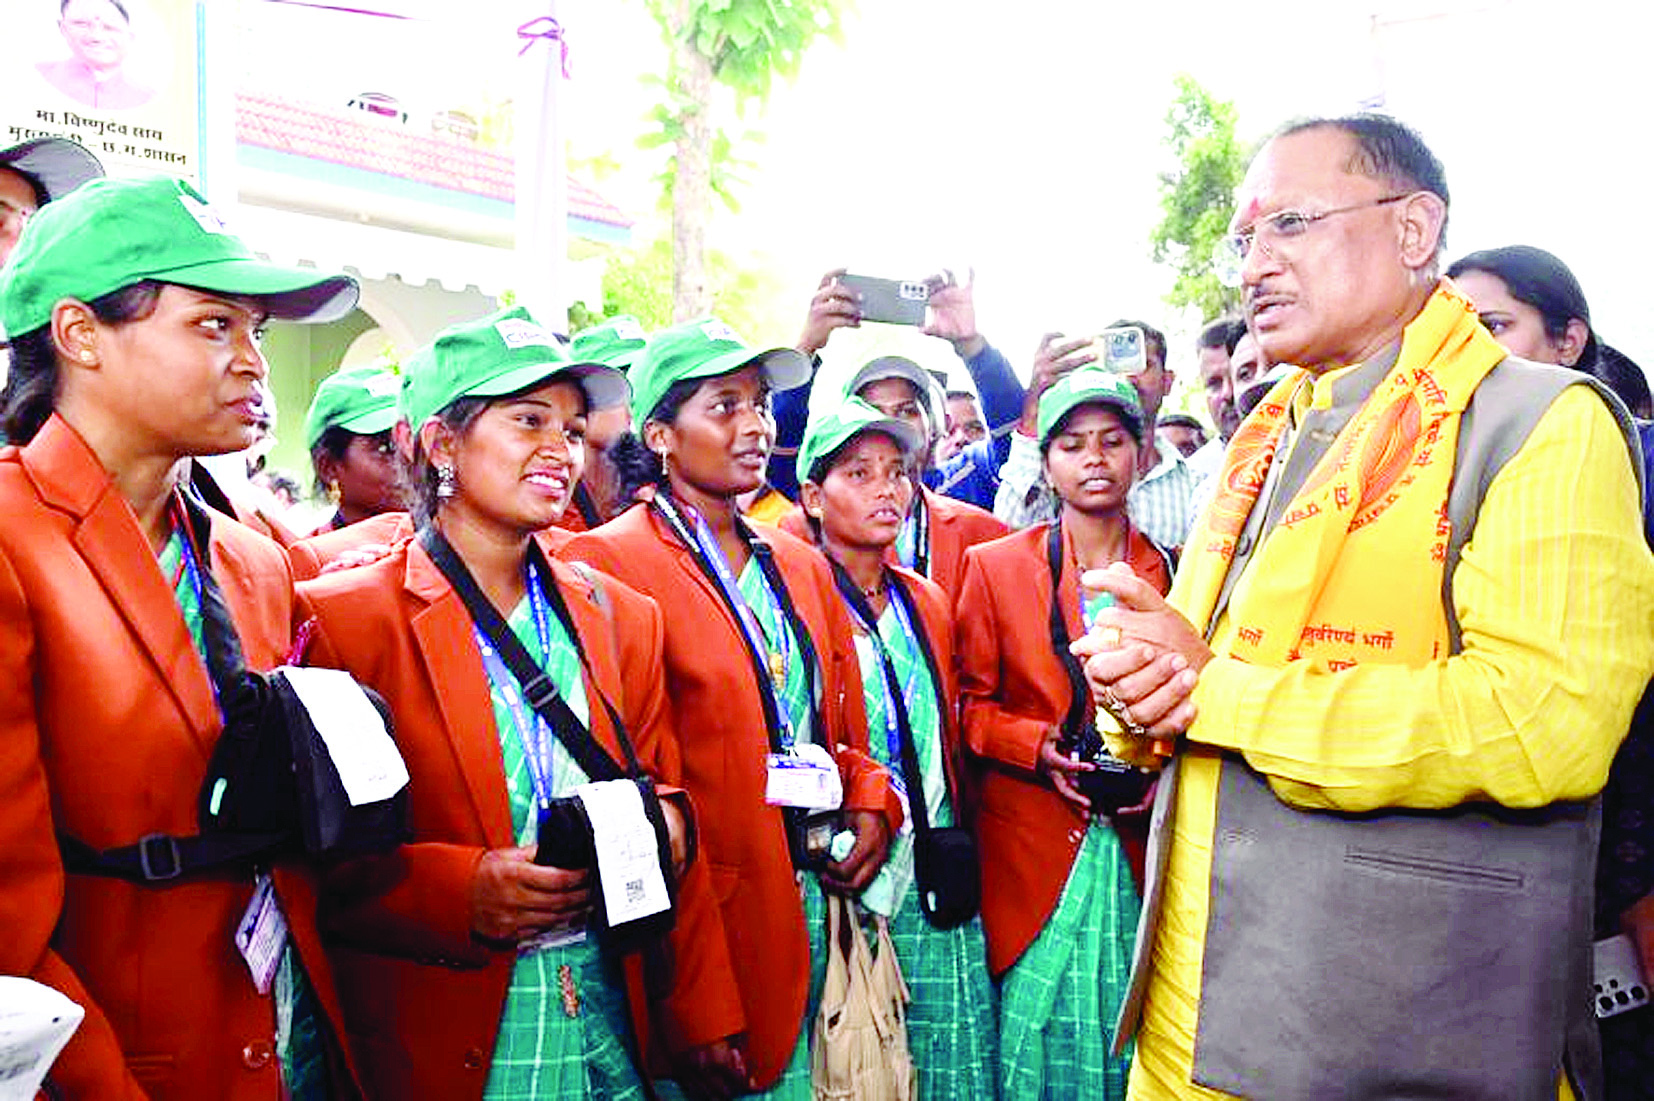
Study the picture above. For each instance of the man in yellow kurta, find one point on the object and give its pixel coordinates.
(1402, 648)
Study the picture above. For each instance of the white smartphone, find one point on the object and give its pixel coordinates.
(1617, 981)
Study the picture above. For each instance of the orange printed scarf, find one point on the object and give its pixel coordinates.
(1352, 572)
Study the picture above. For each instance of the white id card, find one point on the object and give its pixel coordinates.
(807, 778)
(262, 934)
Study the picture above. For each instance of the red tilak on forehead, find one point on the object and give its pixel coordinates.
(1248, 213)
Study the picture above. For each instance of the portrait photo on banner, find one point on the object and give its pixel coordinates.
(119, 76)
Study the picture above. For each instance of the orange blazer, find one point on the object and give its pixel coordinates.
(422, 997)
(720, 714)
(106, 728)
(310, 554)
(955, 527)
(1012, 692)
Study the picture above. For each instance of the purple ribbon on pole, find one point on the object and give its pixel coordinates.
(544, 27)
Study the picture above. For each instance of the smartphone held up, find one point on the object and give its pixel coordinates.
(892, 301)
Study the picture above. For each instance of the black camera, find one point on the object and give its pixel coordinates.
(566, 841)
(812, 837)
(1113, 784)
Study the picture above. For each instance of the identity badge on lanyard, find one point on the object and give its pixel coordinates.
(261, 935)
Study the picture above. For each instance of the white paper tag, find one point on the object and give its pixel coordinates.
(808, 778)
(628, 852)
(369, 765)
(36, 1021)
(518, 333)
(551, 938)
(262, 934)
(717, 330)
(205, 216)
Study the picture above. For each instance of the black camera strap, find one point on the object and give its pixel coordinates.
(668, 511)
(768, 697)
(921, 535)
(1078, 697)
(158, 857)
(912, 775)
(537, 687)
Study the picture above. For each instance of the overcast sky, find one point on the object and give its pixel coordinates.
(1025, 139)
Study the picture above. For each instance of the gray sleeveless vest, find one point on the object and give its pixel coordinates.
(1395, 954)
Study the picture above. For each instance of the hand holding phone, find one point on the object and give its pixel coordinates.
(1123, 350)
(893, 301)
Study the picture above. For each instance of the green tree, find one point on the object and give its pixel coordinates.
(635, 282)
(740, 46)
(1197, 199)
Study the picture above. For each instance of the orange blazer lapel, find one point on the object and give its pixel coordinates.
(460, 683)
(599, 643)
(67, 475)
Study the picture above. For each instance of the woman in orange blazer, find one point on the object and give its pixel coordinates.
(855, 469)
(134, 321)
(465, 969)
(1058, 902)
(748, 678)
(937, 530)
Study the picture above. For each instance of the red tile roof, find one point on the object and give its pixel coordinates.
(350, 138)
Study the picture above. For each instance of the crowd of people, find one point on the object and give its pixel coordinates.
(899, 741)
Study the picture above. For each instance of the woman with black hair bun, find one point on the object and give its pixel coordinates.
(1533, 305)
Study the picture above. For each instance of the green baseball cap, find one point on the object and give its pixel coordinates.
(358, 399)
(705, 349)
(494, 356)
(617, 342)
(1086, 385)
(109, 234)
(830, 431)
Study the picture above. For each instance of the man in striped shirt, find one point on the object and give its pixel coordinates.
(1161, 501)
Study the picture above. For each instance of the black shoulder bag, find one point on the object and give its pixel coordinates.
(1113, 784)
(271, 787)
(565, 829)
(945, 860)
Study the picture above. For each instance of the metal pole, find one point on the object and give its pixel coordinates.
(542, 172)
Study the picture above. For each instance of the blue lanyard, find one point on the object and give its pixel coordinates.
(913, 541)
(192, 572)
(892, 729)
(777, 659)
(532, 730)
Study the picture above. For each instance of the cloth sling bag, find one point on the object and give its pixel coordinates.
(792, 817)
(945, 859)
(271, 787)
(565, 830)
(860, 1050)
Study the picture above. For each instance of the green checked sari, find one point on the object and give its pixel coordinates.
(564, 1031)
(1060, 999)
(951, 1028)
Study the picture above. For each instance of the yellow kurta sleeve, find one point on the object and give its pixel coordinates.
(1555, 598)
